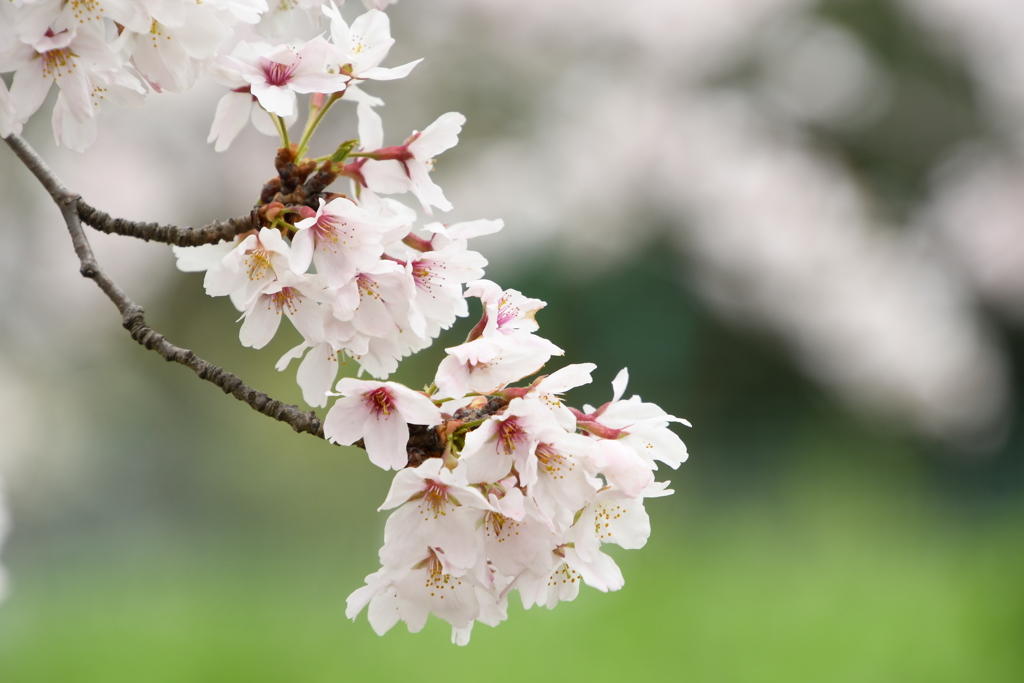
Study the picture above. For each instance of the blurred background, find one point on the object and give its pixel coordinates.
(799, 224)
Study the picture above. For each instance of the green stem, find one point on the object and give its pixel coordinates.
(471, 424)
(282, 129)
(314, 121)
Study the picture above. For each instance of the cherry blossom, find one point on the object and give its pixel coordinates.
(358, 50)
(640, 426)
(67, 58)
(380, 414)
(276, 73)
(292, 295)
(406, 167)
(341, 240)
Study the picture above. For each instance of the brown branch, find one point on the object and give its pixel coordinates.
(70, 205)
(218, 231)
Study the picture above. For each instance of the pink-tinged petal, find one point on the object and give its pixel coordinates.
(415, 407)
(460, 636)
(74, 134)
(29, 89)
(317, 82)
(316, 374)
(204, 31)
(306, 317)
(77, 90)
(569, 377)
(371, 128)
(302, 249)
(383, 612)
(457, 539)
(488, 466)
(262, 122)
(511, 505)
(260, 324)
(386, 436)
(344, 421)
(357, 95)
(275, 99)
(626, 525)
(601, 572)
(660, 444)
(359, 598)
(428, 192)
(452, 378)
(386, 177)
(469, 229)
(296, 352)
(379, 73)
(439, 136)
(374, 27)
(622, 467)
(619, 384)
(409, 482)
(229, 119)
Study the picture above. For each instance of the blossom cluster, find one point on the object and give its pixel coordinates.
(523, 496)
(119, 51)
(498, 487)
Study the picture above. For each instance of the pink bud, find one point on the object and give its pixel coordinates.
(273, 209)
(306, 212)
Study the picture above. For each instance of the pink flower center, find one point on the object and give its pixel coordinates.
(285, 299)
(326, 231)
(277, 73)
(507, 313)
(367, 286)
(423, 274)
(510, 435)
(436, 498)
(380, 402)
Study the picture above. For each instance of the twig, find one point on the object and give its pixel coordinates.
(217, 231)
(70, 204)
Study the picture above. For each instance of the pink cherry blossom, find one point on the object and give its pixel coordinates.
(406, 167)
(276, 73)
(379, 413)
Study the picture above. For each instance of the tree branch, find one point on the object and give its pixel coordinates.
(70, 205)
(218, 231)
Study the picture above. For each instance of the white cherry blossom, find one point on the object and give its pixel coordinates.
(379, 413)
(638, 425)
(291, 295)
(340, 240)
(358, 50)
(67, 58)
(250, 267)
(503, 440)
(439, 510)
(487, 364)
(276, 73)
(406, 167)
(169, 49)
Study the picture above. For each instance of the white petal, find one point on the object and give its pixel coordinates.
(619, 384)
(316, 374)
(344, 421)
(386, 437)
(371, 128)
(260, 324)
